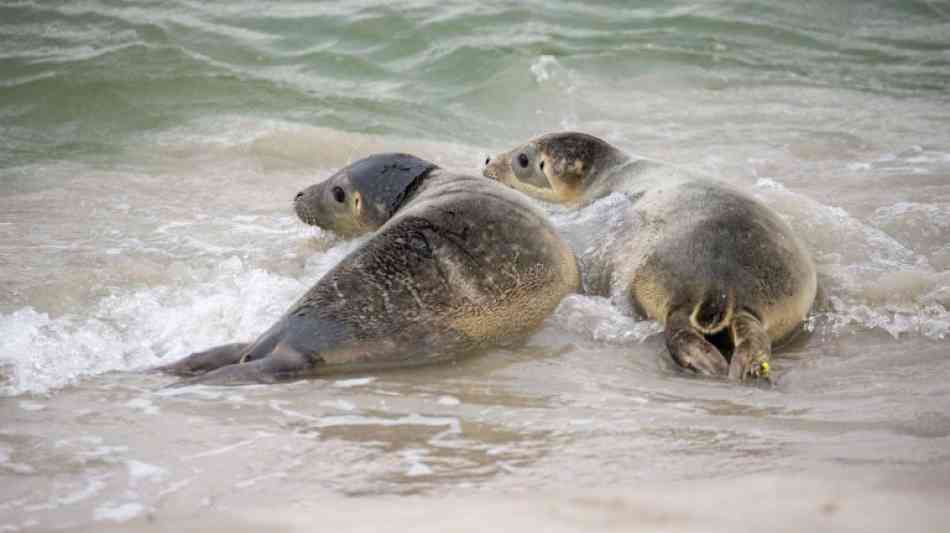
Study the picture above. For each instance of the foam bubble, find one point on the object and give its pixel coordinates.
(118, 512)
(547, 70)
(417, 467)
(448, 400)
(597, 319)
(90, 488)
(31, 406)
(931, 321)
(356, 382)
(452, 424)
(543, 66)
(604, 218)
(143, 404)
(342, 405)
(140, 472)
(6, 454)
(319, 264)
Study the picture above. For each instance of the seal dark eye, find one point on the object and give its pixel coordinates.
(338, 194)
(523, 160)
(541, 166)
(487, 160)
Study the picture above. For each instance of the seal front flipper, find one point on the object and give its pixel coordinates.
(282, 364)
(206, 361)
(753, 348)
(227, 354)
(690, 348)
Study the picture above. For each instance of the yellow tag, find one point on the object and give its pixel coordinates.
(764, 369)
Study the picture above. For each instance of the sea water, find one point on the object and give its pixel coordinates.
(149, 153)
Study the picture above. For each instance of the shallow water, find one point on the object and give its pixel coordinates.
(148, 156)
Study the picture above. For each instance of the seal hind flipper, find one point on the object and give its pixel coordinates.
(211, 359)
(690, 348)
(282, 364)
(753, 349)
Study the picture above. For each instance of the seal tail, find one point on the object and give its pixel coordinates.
(715, 311)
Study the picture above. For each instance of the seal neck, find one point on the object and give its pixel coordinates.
(411, 190)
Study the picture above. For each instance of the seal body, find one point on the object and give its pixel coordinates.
(457, 264)
(722, 271)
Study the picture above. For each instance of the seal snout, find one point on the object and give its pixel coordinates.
(490, 171)
(307, 204)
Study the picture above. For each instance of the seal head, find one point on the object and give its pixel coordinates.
(363, 196)
(558, 167)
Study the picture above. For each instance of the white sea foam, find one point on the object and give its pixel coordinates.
(143, 472)
(143, 328)
(89, 488)
(118, 512)
(341, 404)
(6, 464)
(542, 68)
(450, 401)
(872, 275)
(355, 382)
(598, 319)
(27, 405)
(222, 450)
(549, 72)
(143, 404)
(414, 458)
(453, 424)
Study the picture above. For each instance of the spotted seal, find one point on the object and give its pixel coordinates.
(724, 273)
(456, 265)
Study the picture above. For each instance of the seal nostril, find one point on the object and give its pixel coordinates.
(298, 197)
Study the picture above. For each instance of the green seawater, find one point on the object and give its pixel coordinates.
(80, 79)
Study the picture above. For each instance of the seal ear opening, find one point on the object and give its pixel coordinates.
(357, 204)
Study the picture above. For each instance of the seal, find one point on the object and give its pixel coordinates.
(724, 273)
(456, 265)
